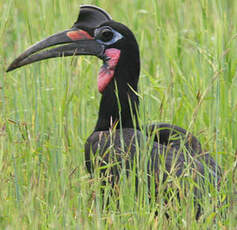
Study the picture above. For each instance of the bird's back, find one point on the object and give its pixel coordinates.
(108, 149)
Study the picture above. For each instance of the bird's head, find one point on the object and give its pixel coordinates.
(94, 33)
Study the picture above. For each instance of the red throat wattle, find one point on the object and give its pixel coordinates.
(106, 73)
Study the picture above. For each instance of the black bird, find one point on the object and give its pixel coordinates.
(117, 136)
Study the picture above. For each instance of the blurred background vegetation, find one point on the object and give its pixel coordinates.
(48, 109)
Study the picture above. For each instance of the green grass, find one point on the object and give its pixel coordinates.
(48, 109)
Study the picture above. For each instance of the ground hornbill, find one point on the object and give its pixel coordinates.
(118, 138)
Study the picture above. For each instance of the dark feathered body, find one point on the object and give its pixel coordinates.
(113, 146)
(117, 136)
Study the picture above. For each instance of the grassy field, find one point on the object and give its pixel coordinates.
(48, 109)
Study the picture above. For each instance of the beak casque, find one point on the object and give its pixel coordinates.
(76, 41)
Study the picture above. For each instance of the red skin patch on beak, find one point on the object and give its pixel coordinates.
(106, 73)
(78, 35)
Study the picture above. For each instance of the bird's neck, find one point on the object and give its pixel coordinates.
(117, 109)
(119, 102)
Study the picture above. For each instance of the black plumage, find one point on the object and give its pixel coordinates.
(118, 137)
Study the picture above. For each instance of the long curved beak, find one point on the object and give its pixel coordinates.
(72, 42)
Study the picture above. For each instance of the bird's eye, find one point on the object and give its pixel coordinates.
(106, 35)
